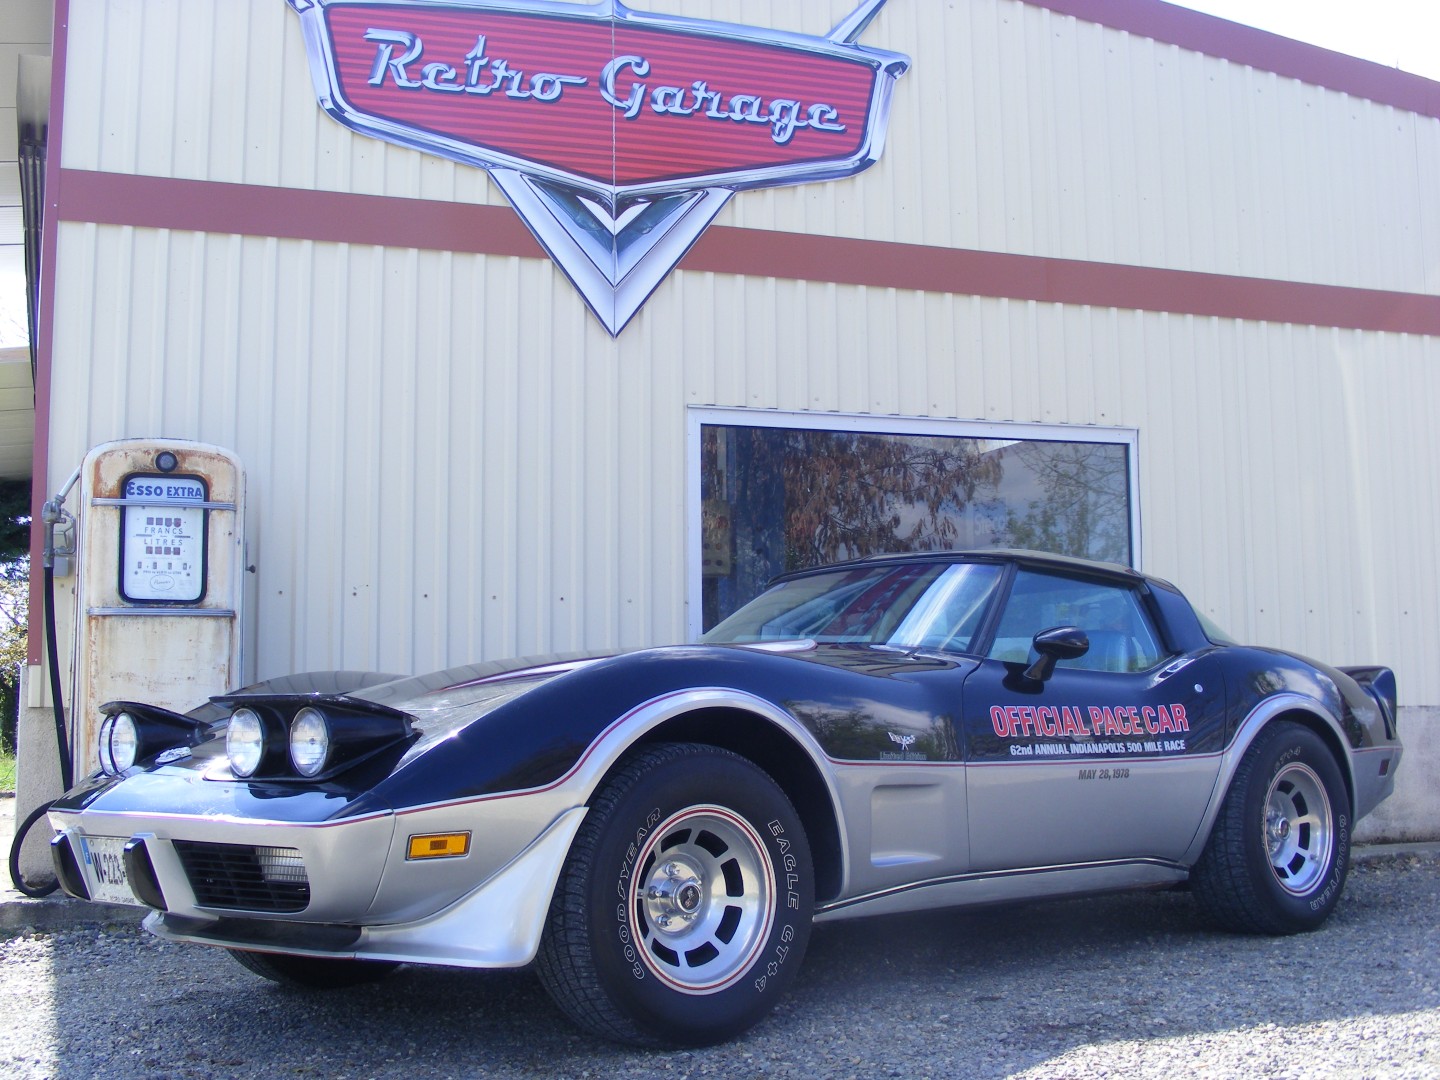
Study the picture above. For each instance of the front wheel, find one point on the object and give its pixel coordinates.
(1278, 856)
(684, 909)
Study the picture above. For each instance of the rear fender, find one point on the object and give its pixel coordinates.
(1379, 683)
(1271, 709)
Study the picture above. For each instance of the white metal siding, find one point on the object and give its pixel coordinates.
(440, 472)
(1017, 130)
(449, 459)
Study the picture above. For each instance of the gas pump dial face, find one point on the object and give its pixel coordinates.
(162, 554)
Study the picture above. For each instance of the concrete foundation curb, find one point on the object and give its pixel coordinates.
(1371, 852)
(54, 914)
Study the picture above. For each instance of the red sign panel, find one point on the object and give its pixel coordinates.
(620, 106)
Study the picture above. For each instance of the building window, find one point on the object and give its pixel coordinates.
(780, 492)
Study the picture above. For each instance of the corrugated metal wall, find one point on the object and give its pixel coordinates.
(1017, 130)
(449, 459)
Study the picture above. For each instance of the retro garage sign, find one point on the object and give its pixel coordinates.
(617, 135)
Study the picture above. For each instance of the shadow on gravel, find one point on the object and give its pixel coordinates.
(998, 990)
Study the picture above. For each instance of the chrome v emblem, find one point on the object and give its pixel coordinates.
(615, 258)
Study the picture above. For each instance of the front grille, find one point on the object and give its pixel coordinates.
(244, 878)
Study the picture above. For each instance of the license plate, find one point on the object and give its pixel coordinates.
(105, 869)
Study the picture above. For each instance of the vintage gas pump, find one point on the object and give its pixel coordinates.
(161, 579)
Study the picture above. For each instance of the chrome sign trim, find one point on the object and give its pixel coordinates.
(615, 173)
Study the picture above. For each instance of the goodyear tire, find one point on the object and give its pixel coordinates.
(1277, 859)
(312, 972)
(684, 909)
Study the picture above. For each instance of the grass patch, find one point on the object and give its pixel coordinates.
(7, 771)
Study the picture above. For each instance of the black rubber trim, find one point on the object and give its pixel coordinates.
(141, 871)
(305, 937)
(67, 867)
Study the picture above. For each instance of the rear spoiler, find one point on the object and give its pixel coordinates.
(1379, 683)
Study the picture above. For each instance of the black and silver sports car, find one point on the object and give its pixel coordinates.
(657, 831)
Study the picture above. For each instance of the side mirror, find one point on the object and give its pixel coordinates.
(1056, 644)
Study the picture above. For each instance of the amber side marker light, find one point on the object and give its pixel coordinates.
(439, 846)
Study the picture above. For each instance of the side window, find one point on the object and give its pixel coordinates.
(1122, 638)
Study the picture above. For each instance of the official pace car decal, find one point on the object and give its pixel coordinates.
(617, 135)
(1090, 731)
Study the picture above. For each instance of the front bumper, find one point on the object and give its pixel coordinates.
(202, 867)
(345, 887)
(498, 925)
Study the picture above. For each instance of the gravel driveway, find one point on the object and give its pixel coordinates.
(1125, 985)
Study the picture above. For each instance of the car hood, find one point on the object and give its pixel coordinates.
(443, 702)
(522, 724)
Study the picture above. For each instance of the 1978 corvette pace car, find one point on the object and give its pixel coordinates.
(657, 830)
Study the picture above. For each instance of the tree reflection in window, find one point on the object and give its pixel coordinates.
(781, 499)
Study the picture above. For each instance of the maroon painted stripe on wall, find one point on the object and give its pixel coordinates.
(1260, 49)
(200, 206)
(1062, 281)
(203, 206)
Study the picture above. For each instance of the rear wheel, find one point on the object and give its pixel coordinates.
(684, 909)
(1277, 859)
(313, 972)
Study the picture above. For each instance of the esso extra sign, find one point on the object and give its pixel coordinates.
(164, 489)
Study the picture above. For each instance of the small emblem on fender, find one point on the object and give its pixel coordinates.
(904, 742)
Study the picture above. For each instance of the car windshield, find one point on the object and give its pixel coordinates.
(914, 605)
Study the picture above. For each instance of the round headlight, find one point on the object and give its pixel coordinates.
(124, 742)
(102, 746)
(245, 742)
(309, 742)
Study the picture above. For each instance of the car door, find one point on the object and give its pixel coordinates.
(1113, 756)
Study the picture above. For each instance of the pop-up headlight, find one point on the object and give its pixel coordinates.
(281, 737)
(119, 743)
(309, 742)
(131, 733)
(245, 742)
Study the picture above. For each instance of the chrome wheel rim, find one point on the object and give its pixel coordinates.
(1298, 828)
(702, 900)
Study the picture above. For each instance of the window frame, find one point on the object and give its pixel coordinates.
(701, 416)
